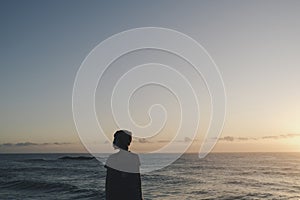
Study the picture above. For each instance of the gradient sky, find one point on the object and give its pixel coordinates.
(256, 45)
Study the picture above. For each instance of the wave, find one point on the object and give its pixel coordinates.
(36, 160)
(37, 185)
(61, 158)
(77, 158)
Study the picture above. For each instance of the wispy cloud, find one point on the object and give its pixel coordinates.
(290, 135)
(143, 140)
(267, 137)
(6, 144)
(26, 144)
(225, 138)
(187, 139)
(163, 141)
(271, 137)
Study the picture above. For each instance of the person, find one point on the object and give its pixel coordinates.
(123, 180)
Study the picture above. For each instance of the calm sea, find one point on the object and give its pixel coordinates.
(218, 176)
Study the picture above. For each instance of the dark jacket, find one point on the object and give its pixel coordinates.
(122, 185)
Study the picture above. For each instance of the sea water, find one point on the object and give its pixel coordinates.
(218, 176)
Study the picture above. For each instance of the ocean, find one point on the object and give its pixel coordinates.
(218, 176)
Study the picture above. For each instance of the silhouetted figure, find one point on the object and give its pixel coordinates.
(123, 180)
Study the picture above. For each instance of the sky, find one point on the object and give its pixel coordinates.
(255, 45)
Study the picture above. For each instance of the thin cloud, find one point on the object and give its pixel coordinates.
(227, 138)
(291, 135)
(163, 141)
(143, 140)
(271, 137)
(6, 144)
(267, 137)
(245, 138)
(187, 139)
(26, 144)
(60, 143)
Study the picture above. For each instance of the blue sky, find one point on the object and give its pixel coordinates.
(254, 43)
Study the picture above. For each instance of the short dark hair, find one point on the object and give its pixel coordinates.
(122, 139)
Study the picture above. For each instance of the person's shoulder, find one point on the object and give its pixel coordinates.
(111, 156)
(132, 153)
(135, 155)
(136, 158)
(110, 159)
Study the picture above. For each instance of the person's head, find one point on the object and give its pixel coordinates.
(122, 139)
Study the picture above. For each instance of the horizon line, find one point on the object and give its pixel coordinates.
(216, 152)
